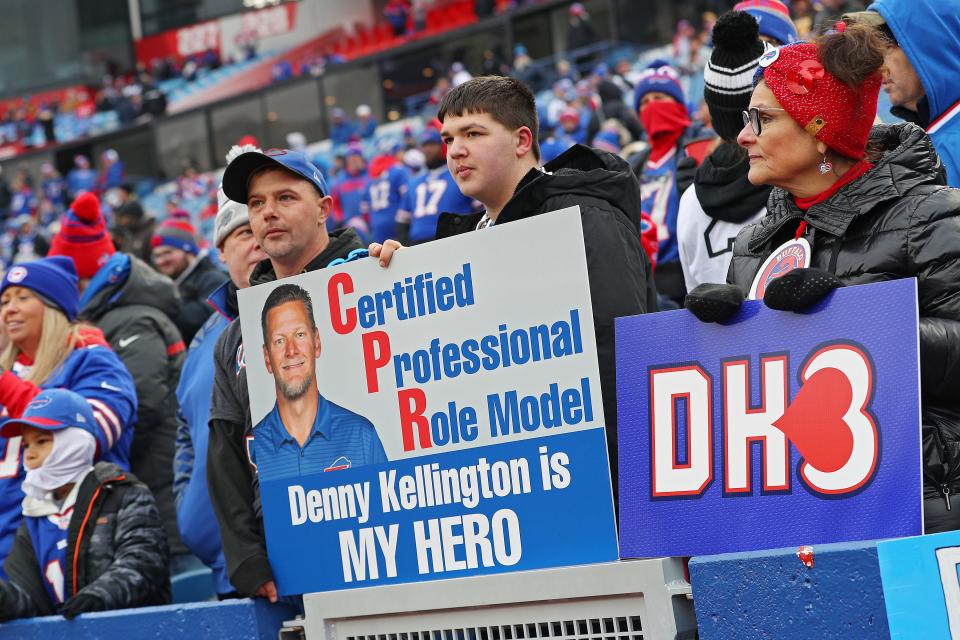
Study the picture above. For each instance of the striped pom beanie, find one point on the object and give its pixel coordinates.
(178, 234)
(728, 77)
(773, 17)
(83, 236)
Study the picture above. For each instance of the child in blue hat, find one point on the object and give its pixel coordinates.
(91, 537)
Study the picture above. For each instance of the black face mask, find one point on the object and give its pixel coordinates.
(433, 163)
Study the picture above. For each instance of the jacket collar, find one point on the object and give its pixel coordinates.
(342, 242)
(223, 299)
(909, 159)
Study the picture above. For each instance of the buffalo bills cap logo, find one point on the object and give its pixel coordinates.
(17, 274)
(39, 403)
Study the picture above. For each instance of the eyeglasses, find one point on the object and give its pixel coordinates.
(752, 117)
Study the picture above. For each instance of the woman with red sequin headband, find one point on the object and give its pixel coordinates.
(852, 204)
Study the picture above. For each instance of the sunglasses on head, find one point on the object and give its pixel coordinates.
(752, 117)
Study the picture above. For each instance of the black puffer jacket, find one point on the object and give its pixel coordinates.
(135, 316)
(115, 541)
(898, 220)
(621, 282)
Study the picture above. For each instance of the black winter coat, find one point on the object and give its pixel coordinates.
(621, 282)
(194, 285)
(135, 317)
(115, 541)
(898, 220)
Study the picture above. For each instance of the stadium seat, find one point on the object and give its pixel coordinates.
(195, 585)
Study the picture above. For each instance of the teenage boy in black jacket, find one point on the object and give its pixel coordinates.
(489, 126)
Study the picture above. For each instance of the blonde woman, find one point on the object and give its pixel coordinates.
(46, 349)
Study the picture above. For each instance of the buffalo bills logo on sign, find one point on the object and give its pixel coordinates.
(789, 256)
(241, 361)
(341, 463)
(17, 274)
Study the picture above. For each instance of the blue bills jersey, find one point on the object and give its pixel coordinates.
(382, 199)
(427, 196)
(49, 537)
(661, 201)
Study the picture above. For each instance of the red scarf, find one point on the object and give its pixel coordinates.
(851, 174)
(664, 121)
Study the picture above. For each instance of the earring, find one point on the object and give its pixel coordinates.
(825, 167)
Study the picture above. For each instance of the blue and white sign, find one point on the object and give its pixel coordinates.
(921, 588)
(441, 419)
(776, 429)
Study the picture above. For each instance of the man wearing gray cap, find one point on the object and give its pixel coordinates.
(288, 206)
(240, 252)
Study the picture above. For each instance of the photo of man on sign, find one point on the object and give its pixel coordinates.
(304, 433)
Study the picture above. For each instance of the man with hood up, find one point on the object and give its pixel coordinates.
(722, 200)
(132, 304)
(489, 127)
(613, 106)
(920, 68)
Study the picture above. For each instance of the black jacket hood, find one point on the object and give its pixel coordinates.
(342, 242)
(723, 189)
(143, 286)
(579, 171)
(609, 92)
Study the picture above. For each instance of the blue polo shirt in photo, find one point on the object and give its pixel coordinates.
(340, 439)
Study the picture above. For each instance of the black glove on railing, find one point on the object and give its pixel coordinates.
(81, 603)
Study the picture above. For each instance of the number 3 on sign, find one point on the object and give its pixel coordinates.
(10, 463)
(947, 560)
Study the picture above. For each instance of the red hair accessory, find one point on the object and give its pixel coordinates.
(840, 27)
(801, 80)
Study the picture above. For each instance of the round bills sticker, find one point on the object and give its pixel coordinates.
(791, 255)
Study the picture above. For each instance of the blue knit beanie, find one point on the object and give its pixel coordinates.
(53, 279)
(607, 140)
(664, 79)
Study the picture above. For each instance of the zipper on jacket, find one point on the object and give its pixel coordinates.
(945, 490)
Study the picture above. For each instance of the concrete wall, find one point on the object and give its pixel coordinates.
(233, 619)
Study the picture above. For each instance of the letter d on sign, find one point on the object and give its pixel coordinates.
(668, 477)
(298, 505)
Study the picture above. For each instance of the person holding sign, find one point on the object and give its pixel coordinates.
(305, 433)
(851, 205)
(490, 129)
(288, 205)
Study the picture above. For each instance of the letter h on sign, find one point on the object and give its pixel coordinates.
(828, 422)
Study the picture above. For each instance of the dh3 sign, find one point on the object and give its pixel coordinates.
(776, 429)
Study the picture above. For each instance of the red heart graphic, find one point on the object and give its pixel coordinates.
(814, 421)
